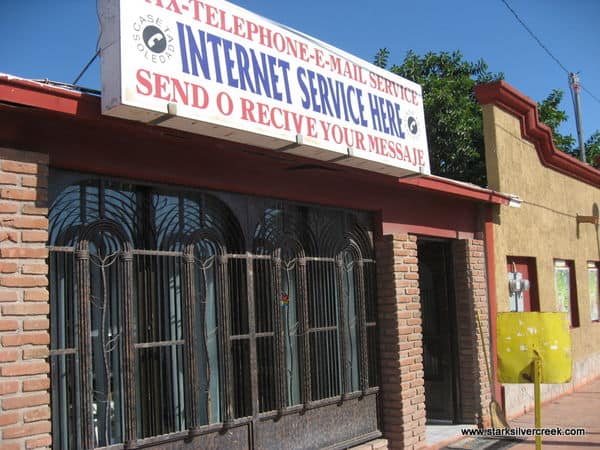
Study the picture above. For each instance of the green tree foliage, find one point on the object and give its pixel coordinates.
(550, 113)
(452, 114)
(592, 149)
(381, 58)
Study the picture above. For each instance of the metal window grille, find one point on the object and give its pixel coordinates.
(168, 315)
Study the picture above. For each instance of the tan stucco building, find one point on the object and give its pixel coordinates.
(551, 239)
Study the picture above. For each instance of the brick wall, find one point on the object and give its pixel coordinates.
(24, 325)
(400, 338)
(471, 297)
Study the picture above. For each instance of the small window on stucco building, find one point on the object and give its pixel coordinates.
(566, 289)
(593, 287)
(522, 284)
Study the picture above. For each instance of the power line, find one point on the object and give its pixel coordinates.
(87, 66)
(535, 37)
(541, 44)
(98, 16)
(590, 94)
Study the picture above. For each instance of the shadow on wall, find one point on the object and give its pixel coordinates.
(590, 219)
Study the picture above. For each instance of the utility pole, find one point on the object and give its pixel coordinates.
(576, 88)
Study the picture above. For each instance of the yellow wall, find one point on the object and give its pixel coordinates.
(545, 226)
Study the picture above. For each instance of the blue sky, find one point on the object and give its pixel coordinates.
(55, 39)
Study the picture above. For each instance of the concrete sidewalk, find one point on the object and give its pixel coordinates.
(580, 409)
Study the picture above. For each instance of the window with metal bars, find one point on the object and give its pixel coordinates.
(175, 310)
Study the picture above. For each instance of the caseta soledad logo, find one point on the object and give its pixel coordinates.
(153, 38)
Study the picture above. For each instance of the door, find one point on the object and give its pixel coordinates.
(437, 307)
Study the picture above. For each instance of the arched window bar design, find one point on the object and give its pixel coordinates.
(176, 314)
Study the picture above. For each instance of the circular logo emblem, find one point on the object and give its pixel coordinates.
(412, 125)
(155, 39)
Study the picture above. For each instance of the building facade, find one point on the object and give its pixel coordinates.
(551, 240)
(162, 289)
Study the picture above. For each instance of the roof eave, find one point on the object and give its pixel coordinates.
(67, 101)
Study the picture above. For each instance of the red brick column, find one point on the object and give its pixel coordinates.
(471, 297)
(24, 325)
(401, 342)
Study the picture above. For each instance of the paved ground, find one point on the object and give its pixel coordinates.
(579, 409)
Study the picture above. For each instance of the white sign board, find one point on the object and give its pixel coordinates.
(212, 68)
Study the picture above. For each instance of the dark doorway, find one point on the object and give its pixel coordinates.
(439, 338)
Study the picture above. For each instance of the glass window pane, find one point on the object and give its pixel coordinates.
(155, 220)
(64, 370)
(207, 338)
(323, 335)
(350, 309)
(289, 311)
(64, 376)
(159, 363)
(563, 287)
(106, 338)
(593, 284)
(240, 355)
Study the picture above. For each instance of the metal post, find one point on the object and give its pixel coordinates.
(250, 295)
(84, 344)
(304, 342)
(130, 429)
(342, 328)
(278, 329)
(224, 321)
(362, 328)
(190, 361)
(537, 384)
(576, 87)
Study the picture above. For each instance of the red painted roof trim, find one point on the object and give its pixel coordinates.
(62, 100)
(457, 188)
(44, 96)
(506, 97)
